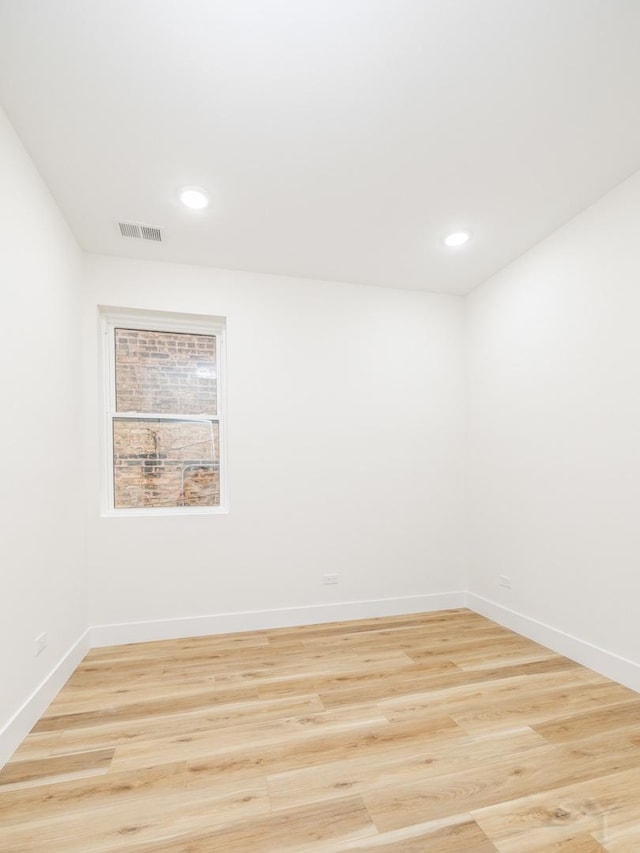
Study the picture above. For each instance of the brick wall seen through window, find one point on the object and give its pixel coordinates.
(171, 456)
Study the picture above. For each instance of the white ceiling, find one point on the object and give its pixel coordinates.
(339, 139)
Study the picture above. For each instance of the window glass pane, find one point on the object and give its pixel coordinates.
(164, 463)
(168, 372)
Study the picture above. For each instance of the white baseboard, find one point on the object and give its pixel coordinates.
(254, 620)
(613, 666)
(19, 726)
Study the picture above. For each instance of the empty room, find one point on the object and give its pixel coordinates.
(321, 426)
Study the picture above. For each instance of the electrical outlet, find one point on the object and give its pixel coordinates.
(331, 578)
(504, 581)
(41, 643)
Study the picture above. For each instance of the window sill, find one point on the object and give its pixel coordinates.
(163, 512)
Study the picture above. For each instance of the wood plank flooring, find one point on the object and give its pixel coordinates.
(438, 732)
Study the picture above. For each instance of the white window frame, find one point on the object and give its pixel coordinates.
(157, 321)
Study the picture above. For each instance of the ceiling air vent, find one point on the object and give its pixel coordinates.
(140, 232)
(151, 232)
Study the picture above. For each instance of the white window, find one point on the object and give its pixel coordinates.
(164, 429)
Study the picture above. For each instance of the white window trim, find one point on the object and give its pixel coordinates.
(157, 321)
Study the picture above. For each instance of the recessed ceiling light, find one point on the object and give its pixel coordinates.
(194, 198)
(458, 238)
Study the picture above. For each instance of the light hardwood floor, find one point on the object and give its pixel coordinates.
(438, 732)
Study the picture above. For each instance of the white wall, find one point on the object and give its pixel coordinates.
(42, 571)
(554, 422)
(345, 455)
